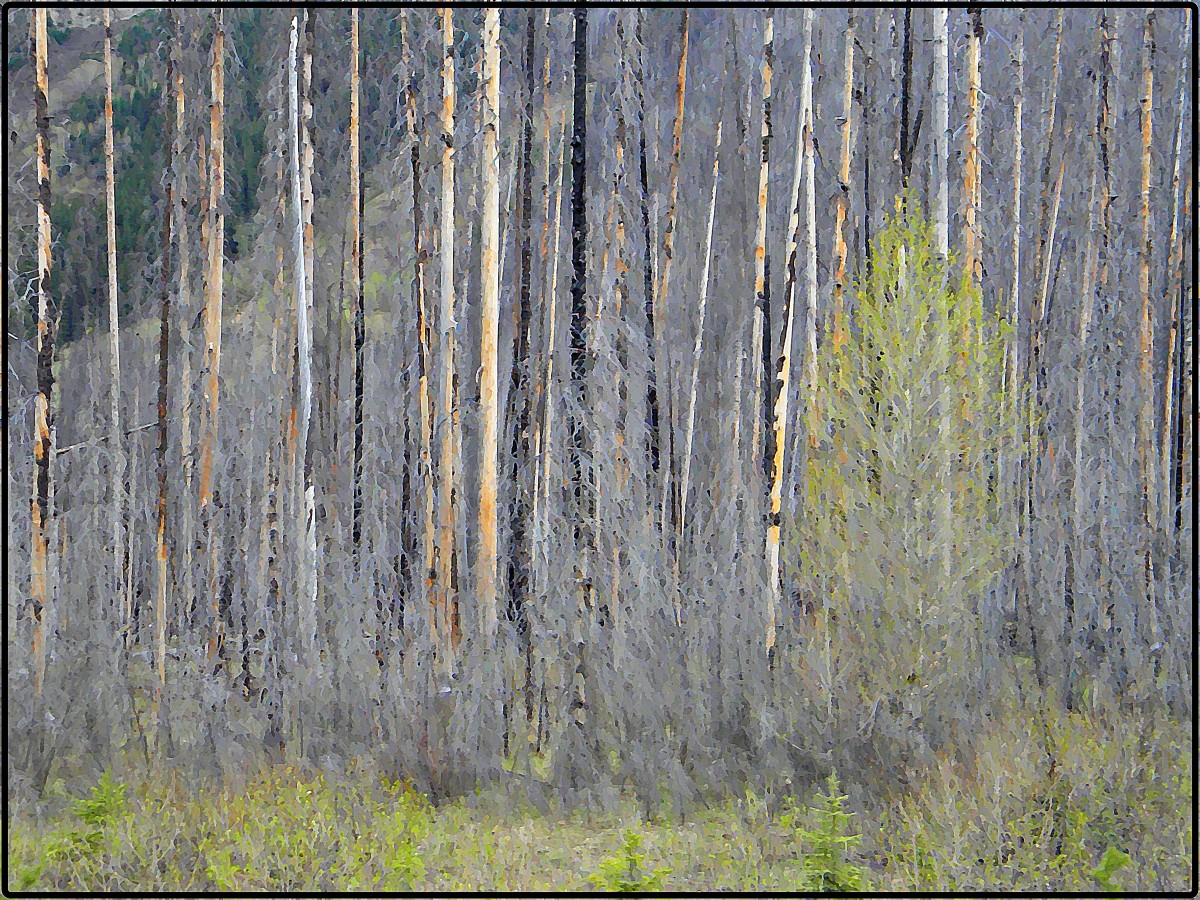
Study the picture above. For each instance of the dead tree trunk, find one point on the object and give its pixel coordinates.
(116, 492)
(783, 371)
(760, 337)
(356, 266)
(445, 598)
(213, 289)
(489, 365)
(47, 329)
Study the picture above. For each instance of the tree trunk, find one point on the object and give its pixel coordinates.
(160, 606)
(445, 598)
(690, 428)
(520, 385)
(356, 275)
(1174, 280)
(489, 399)
(116, 492)
(653, 413)
(47, 328)
(783, 372)
(1146, 428)
(972, 170)
(213, 289)
(760, 350)
(670, 510)
(941, 130)
(306, 535)
(843, 198)
(423, 331)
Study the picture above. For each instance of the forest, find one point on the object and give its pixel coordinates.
(599, 448)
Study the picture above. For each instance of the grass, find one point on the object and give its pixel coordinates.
(1114, 817)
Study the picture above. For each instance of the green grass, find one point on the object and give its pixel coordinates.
(1120, 789)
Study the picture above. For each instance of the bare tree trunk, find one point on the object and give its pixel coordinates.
(489, 365)
(47, 329)
(840, 251)
(941, 130)
(306, 535)
(760, 331)
(670, 510)
(783, 372)
(160, 606)
(356, 265)
(972, 170)
(1175, 276)
(446, 325)
(653, 412)
(690, 427)
(116, 493)
(214, 277)
(1074, 546)
(906, 141)
(1012, 345)
(1146, 426)
(423, 330)
(584, 497)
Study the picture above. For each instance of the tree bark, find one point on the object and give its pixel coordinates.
(972, 170)
(356, 275)
(306, 535)
(116, 491)
(760, 350)
(47, 329)
(423, 330)
(213, 289)
(783, 371)
(670, 509)
(653, 412)
(489, 399)
(1174, 280)
(445, 598)
(690, 428)
(840, 250)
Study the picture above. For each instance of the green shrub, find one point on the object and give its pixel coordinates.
(1112, 862)
(826, 865)
(627, 872)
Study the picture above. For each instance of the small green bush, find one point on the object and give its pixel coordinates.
(627, 872)
(827, 866)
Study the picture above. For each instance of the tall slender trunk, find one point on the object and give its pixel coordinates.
(783, 371)
(972, 169)
(213, 289)
(356, 275)
(584, 497)
(47, 329)
(690, 426)
(488, 382)
(423, 330)
(1174, 281)
(116, 493)
(670, 509)
(1147, 430)
(941, 130)
(1146, 426)
(1074, 547)
(1012, 345)
(905, 95)
(760, 350)
(185, 396)
(174, 151)
(306, 535)
(520, 384)
(840, 251)
(653, 413)
(445, 597)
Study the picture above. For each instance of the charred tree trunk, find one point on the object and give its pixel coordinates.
(356, 267)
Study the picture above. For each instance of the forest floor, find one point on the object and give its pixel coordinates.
(1115, 816)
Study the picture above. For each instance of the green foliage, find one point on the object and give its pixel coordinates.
(103, 804)
(826, 864)
(1112, 862)
(627, 872)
